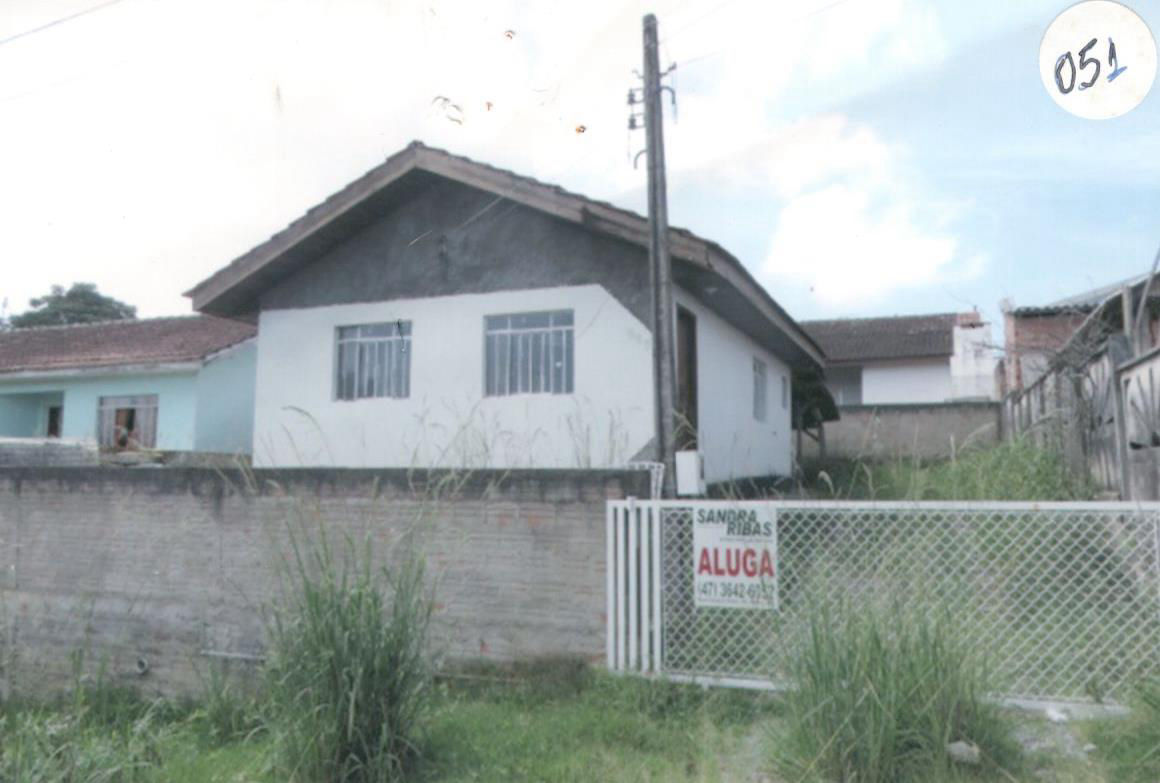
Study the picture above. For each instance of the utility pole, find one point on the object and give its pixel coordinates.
(660, 265)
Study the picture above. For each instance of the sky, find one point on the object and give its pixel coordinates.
(860, 157)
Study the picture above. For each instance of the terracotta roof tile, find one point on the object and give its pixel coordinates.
(112, 343)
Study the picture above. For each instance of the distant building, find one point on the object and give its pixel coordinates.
(907, 359)
(1033, 335)
(172, 384)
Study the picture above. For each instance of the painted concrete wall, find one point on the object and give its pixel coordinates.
(925, 430)
(25, 415)
(973, 364)
(732, 442)
(224, 416)
(167, 564)
(447, 421)
(176, 395)
(912, 380)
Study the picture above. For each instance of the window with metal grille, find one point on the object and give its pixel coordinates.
(127, 423)
(528, 353)
(374, 360)
(759, 390)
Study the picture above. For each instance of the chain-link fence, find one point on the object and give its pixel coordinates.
(1063, 599)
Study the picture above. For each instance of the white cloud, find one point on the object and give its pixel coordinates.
(853, 227)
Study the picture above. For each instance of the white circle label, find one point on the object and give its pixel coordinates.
(1098, 59)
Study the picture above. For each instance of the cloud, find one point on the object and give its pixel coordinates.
(853, 226)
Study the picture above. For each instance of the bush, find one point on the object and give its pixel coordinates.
(347, 675)
(878, 694)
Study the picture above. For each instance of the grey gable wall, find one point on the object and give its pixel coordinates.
(450, 238)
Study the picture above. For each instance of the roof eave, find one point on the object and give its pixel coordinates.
(546, 198)
(77, 371)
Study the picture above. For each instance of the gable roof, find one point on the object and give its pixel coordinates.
(897, 337)
(233, 290)
(117, 343)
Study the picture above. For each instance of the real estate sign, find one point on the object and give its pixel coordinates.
(735, 557)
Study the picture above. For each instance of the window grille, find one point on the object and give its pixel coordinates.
(128, 422)
(529, 353)
(374, 360)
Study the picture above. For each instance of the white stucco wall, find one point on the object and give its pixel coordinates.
(973, 363)
(733, 444)
(447, 421)
(910, 380)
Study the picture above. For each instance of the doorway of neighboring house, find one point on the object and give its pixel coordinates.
(54, 415)
(686, 429)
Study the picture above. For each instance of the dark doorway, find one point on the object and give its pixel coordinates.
(686, 380)
(54, 412)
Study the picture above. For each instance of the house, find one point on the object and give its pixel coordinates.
(439, 311)
(1032, 335)
(907, 359)
(173, 384)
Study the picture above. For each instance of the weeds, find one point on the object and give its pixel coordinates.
(877, 695)
(1016, 470)
(1131, 747)
(347, 673)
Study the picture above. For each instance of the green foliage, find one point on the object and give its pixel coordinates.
(227, 712)
(1130, 748)
(348, 676)
(80, 304)
(1015, 470)
(877, 694)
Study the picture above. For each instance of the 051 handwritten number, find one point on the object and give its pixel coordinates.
(1084, 62)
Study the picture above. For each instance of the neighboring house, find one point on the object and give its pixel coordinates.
(907, 359)
(1033, 335)
(442, 312)
(173, 384)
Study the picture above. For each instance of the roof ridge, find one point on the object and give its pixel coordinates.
(50, 327)
(949, 314)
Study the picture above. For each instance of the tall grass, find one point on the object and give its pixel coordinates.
(878, 693)
(348, 677)
(1015, 470)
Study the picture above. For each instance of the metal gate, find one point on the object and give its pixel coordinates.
(1064, 598)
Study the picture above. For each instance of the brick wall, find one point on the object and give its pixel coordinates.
(173, 566)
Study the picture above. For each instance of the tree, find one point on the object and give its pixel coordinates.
(80, 304)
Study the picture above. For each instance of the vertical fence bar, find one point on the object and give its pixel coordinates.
(646, 566)
(633, 601)
(658, 568)
(621, 584)
(610, 566)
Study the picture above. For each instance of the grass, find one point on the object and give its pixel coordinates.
(1130, 748)
(547, 722)
(555, 722)
(880, 692)
(1015, 470)
(348, 674)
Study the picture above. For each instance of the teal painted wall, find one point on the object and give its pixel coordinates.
(176, 403)
(25, 415)
(225, 401)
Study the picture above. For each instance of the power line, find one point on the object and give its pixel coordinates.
(55, 22)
